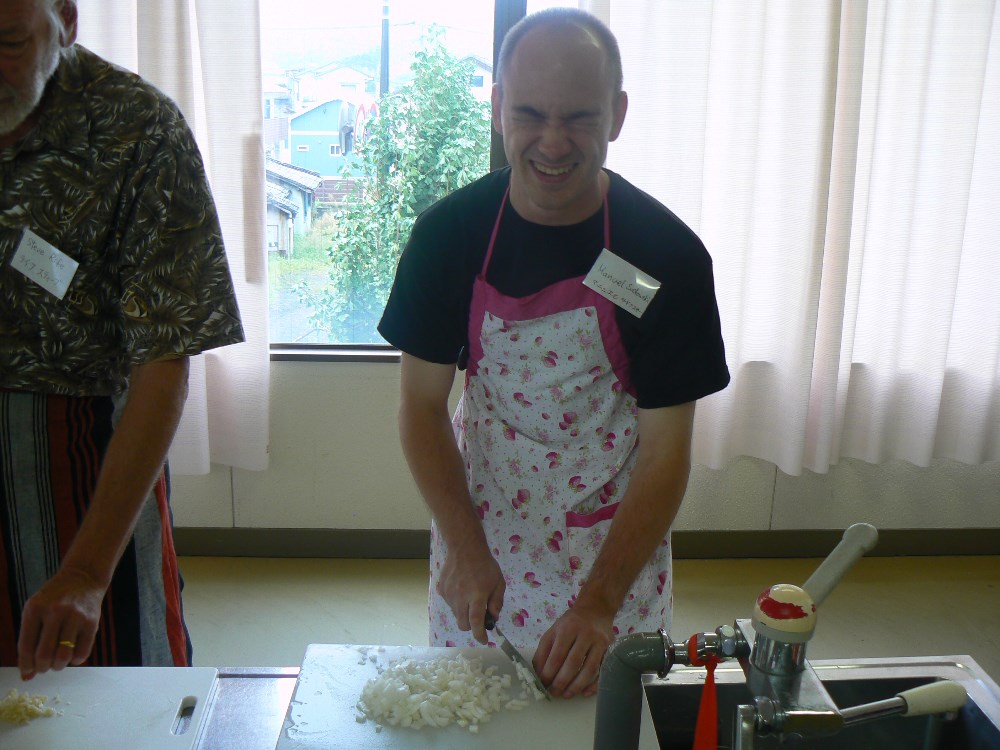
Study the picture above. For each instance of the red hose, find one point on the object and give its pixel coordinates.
(706, 732)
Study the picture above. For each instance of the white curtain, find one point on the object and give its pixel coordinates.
(205, 54)
(841, 161)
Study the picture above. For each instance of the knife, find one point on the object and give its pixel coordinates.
(515, 656)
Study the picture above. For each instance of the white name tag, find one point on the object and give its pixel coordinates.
(44, 264)
(622, 283)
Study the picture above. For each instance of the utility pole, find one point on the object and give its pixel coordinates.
(505, 14)
(384, 78)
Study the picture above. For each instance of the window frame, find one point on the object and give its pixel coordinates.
(506, 13)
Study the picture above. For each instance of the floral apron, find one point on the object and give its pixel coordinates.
(547, 429)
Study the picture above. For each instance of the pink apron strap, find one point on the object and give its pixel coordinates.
(493, 235)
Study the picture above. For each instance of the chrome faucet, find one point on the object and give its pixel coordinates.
(789, 698)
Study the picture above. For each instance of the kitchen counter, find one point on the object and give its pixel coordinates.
(313, 708)
(248, 708)
(269, 708)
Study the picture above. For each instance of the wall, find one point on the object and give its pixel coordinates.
(336, 464)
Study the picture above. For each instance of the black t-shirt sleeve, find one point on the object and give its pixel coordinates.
(677, 351)
(426, 310)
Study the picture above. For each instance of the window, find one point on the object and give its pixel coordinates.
(344, 72)
(334, 71)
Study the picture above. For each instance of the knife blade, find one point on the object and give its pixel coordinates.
(515, 656)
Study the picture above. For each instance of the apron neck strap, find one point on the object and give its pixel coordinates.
(496, 229)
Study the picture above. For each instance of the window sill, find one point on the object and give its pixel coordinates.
(333, 353)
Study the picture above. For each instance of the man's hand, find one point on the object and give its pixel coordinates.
(59, 623)
(472, 582)
(67, 607)
(569, 655)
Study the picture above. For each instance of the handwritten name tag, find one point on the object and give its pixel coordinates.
(44, 264)
(622, 283)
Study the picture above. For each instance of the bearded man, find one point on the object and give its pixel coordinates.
(112, 274)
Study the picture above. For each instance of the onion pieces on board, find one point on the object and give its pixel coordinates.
(436, 693)
(20, 708)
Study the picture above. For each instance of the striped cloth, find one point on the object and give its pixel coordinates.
(51, 448)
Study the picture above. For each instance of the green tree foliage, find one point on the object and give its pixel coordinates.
(430, 137)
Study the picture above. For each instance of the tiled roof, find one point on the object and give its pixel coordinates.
(304, 179)
(278, 196)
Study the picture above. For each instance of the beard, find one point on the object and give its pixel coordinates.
(17, 104)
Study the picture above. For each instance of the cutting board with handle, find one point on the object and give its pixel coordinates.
(322, 714)
(139, 708)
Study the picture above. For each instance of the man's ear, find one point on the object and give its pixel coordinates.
(68, 14)
(496, 98)
(620, 107)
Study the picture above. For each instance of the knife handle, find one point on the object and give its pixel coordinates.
(490, 622)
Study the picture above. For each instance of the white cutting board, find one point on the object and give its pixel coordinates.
(321, 715)
(111, 708)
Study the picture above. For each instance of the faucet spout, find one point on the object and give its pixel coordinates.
(619, 693)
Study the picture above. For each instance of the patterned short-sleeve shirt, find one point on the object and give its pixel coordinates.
(111, 176)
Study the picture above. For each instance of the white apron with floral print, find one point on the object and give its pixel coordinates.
(547, 428)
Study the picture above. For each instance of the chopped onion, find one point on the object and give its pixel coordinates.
(436, 693)
(20, 708)
(528, 680)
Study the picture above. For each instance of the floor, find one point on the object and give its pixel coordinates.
(264, 612)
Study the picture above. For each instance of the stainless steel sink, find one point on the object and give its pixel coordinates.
(672, 704)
